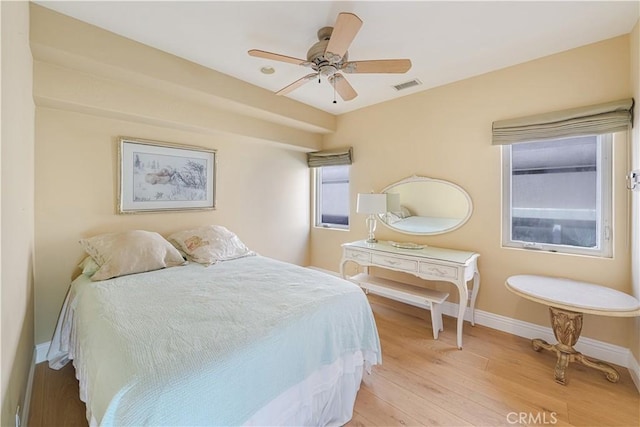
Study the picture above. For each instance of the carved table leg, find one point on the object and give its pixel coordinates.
(610, 372)
(567, 326)
(539, 344)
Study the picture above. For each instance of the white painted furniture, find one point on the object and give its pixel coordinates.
(568, 300)
(428, 263)
(413, 295)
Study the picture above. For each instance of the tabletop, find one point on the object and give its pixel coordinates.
(575, 296)
(443, 254)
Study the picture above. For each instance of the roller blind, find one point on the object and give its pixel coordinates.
(592, 120)
(338, 156)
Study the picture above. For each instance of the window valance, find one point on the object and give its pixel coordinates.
(335, 157)
(592, 120)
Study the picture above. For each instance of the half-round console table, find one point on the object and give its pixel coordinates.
(567, 301)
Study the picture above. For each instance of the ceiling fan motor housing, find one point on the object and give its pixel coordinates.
(324, 33)
(319, 56)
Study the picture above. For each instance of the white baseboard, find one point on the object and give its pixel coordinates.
(597, 349)
(600, 350)
(39, 355)
(26, 400)
(41, 352)
(634, 370)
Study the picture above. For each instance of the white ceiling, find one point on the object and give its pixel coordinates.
(446, 41)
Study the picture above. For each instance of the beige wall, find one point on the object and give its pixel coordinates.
(262, 177)
(16, 231)
(445, 133)
(262, 193)
(635, 164)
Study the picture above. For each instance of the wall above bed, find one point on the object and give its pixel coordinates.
(86, 99)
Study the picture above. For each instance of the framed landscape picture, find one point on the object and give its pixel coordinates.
(158, 176)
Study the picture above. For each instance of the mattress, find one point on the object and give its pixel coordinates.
(218, 345)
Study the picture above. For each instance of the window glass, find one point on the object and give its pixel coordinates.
(557, 195)
(332, 196)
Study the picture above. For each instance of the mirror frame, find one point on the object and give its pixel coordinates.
(417, 178)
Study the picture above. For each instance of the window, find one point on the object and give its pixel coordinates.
(332, 196)
(557, 195)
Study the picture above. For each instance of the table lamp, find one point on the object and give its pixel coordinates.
(371, 204)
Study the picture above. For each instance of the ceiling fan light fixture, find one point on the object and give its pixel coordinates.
(332, 57)
(349, 67)
(327, 70)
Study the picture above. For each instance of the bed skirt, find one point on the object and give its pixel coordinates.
(325, 398)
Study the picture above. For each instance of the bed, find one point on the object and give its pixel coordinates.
(245, 341)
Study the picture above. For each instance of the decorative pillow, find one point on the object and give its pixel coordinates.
(130, 252)
(88, 266)
(391, 218)
(210, 244)
(402, 213)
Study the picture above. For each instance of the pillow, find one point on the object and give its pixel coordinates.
(210, 244)
(402, 213)
(391, 218)
(130, 252)
(88, 266)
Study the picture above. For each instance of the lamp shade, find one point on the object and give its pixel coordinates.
(371, 203)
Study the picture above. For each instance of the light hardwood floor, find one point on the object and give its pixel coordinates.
(497, 379)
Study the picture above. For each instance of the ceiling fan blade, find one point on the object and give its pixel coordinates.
(276, 57)
(295, 85)
(342, 86)
(378, 66)
(345, 30)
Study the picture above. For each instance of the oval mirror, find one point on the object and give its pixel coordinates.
(421, 205)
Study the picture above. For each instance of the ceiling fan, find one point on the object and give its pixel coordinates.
(329, 56)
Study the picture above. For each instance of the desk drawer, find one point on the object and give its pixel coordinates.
(357, 255)
(394, 263)
(439, 270)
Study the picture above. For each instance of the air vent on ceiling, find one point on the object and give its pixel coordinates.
(407, 85)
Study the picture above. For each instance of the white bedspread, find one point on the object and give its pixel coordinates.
(198, 345)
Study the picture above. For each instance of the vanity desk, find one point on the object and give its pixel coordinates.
(428, 263)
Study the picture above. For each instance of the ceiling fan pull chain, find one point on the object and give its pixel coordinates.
(333, 83)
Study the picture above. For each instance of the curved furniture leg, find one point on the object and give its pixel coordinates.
(342, 263)
(474, 295)
(561, 366)
(462, 306)
(567, 326)
(539, 344)
(611, 374)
